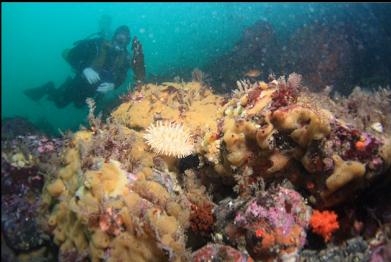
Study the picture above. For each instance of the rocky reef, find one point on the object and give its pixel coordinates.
(267, 174)
(340, 49)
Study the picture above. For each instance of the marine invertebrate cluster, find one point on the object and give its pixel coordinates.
(112, 198)
(324, 223)
(170, 139)
(289, 129)
(113, 141)
(192, 104)
(243, 86)
(199, 76)
(364, 110)
(115, 206)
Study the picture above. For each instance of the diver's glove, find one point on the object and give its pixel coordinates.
(105, 87)
(91, 75)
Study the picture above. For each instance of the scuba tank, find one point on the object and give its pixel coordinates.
(66, 51)
(104, 32)
(93, 35)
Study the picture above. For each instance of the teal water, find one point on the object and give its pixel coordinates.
(174, 36)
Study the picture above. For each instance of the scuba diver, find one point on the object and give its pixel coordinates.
(100, 66)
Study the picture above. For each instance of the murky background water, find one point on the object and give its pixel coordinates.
(178, 37)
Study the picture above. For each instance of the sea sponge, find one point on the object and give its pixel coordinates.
(109, 181)
(166, 229)
(56, 188)
(304, 123)
(151, 191)
(261, 102)
(385, 151)
(345, 171)
(234, 139)
(170, 139)
(93, 210)
(210, 147)
(324, 223)
(279, 162)
(192, 103)
(100, 239)
(124, 247)
(264, 133)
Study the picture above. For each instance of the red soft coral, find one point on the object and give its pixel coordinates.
(324, 223)
(201, 218)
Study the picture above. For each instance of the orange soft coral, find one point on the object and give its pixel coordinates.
(324, 223)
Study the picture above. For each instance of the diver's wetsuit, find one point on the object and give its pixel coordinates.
(110, 64)
(74, 90)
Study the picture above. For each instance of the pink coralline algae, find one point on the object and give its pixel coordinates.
(216, 252)
(282, 209)
(277, 219)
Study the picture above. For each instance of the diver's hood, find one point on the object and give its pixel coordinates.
(121, 38)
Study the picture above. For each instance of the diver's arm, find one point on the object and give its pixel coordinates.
(91, 75)
(105, 87)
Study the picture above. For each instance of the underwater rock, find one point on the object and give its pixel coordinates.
(274, 133)
(220, 253)
(355, 249)
(269, 226)
(21, 223)
(21, 183)
(322, 53)
(11, 127)
(273, 223)
(126, 213)
(335, 49)
(7, 254)
(340, 51)
(256, 49)
(189, 162)
(112, 197)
